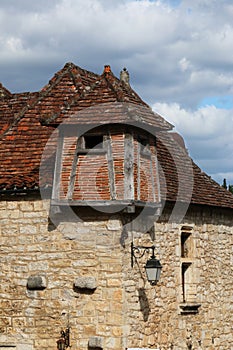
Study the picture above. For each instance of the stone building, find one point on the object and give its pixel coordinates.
(90, 175)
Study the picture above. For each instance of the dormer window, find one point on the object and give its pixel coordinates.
(105, 164)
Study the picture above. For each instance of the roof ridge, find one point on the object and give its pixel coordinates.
(4, 92)
(105, 76)
(42, 93)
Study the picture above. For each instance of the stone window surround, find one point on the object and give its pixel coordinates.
(187, 257)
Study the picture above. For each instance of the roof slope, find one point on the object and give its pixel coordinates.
(13, 109)
(27, 121)
(181, 179)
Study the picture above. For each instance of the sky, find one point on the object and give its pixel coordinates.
(178, 53)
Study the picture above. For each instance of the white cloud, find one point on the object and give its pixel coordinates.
(205, 122)
(184, 64)
(208, 136)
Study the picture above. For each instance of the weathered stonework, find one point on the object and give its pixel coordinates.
(124, 311)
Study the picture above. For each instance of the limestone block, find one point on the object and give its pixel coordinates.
(28, 229)
(114, 225)
(86, 282)
(36, 282)
(95, 342)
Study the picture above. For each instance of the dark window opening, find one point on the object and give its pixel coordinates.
(185, 244)
(184, 271)
(95, 141)
(144, 146)
(143, 141)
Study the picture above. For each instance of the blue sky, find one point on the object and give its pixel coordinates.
(173, 3)
(224, 102)
(178, 53)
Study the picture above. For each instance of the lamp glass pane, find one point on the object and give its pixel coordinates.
(158, 273)
(153, 270)
(151, 273)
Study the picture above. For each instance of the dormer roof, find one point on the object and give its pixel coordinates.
(97, 93)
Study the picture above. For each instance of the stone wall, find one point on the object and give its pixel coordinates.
(79, 274)
(158, 319)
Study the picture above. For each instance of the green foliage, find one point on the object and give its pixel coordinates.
(224, 185)
(229, 187)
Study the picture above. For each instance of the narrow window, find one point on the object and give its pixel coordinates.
(187, 264)
(186, 244)
(188, 271)
(185, 272)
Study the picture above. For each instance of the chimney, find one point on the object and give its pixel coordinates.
(124, 77)
(107, 69)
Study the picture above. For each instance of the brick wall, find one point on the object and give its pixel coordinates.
(92, 172)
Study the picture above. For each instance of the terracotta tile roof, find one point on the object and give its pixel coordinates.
(27, 120)
(91, 92)
(13, 108)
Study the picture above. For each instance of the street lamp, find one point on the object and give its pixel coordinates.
(153, 267)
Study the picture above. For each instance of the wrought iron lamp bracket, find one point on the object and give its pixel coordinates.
(138, 252)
